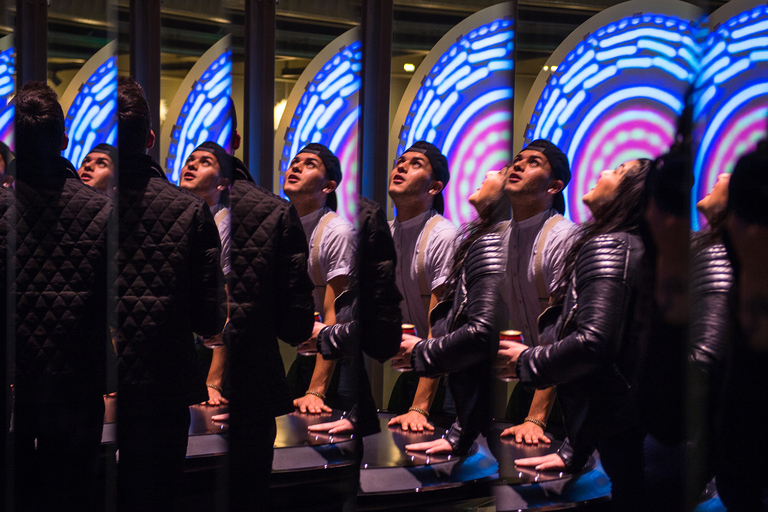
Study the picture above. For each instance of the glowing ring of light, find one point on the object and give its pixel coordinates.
(622, 135)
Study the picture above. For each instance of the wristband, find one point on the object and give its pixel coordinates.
(315, 393)
(536, 422)
(214, 386)
(420, 411)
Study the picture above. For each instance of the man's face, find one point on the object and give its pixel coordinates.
(531, 175)
(412, 176)
(201, 174)
(305, 178)
(97, 171)
(715, 202)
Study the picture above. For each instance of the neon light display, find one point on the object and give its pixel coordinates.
(731, 98)
(617, 96)
(91, 119)
(204, 116)
(7, 86)
(464, 106)
(328, 113)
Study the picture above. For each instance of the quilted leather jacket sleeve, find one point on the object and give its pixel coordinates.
(597, 306)
(478, 338)
(294, 294)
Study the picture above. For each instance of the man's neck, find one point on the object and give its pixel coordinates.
(522, 210)
(406, 210)
(306, 207)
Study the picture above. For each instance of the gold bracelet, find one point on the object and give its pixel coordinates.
(420, 411)
(536, 422)
(315, 393)
(214, 386)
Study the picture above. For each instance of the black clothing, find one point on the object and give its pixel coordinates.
(468, 350)
(368, 314)
(54, 243)
(593, 363)
(169, 285)
(270, 296)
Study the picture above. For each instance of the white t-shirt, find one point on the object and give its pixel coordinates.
(519, 291)
(225, 234)
(337, 249)
(438, 261)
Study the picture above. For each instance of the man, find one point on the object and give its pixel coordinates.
(169, 285)
(538, 239)
(207, 174)
(425, 243)
(54, 242)
(98, 168)
(310, 184)
(270, 298)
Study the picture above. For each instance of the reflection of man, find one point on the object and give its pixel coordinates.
(6, 155)
(425, 244)
(538, 239)
(744, 387)
(169, 285)
(59, 229)
(207, 174)
(310, 184)
(98, 168)
(270, 298)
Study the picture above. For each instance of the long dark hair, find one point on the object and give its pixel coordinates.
(624, 213)
(490, 213)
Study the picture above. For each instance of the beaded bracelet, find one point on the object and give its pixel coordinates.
(214, 386)
(420, 411)
(315, 393)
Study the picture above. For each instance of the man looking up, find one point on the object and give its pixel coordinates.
(98, 168)
(169, 285)
(310, 184)
(425, 243)
(538, 239)
(207, 173)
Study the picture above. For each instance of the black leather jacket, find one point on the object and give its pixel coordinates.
(468, 350)
(593, 362)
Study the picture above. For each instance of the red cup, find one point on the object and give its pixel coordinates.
(510, 335)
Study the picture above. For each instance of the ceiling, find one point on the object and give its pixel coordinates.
(303, 28)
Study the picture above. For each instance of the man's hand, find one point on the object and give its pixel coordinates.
(412, 420)
(438, 446)
(402, 361)
(527, 433)
(551, 462)
(342, 426)
(215, 398)
(506, 359)
(311, 404)
(221, 417)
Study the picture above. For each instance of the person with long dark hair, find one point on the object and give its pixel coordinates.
(593, 357)
(473, 322)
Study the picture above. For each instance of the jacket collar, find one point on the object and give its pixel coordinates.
(47, 170)
(139, 166)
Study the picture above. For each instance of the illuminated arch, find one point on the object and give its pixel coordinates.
(7, 88)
